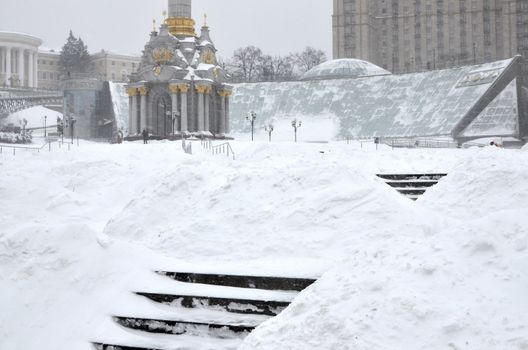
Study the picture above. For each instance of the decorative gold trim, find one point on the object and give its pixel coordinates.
(225, 93)
(174, 89)
(201, 89)
(143, 91)
(208, 90)
(132, 92)
(181, 26)
(183, 88)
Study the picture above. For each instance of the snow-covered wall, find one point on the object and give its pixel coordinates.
(420, 104)
(120, 105)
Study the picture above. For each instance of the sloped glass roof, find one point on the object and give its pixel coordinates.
(410, 105)
(344, 68)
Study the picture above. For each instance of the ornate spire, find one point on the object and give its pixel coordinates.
(180, 22)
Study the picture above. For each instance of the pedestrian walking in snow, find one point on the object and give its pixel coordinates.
(145, 136)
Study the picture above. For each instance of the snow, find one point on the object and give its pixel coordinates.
(120, 105)
(429, 104)
(344, 68)
(35, 118)
(83, 229)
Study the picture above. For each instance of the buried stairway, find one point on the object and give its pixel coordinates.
(206, 311)
(411, 186)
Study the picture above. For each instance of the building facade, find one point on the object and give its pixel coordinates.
(179, 89)
(18, 60)
(49, 75)
(416, 35)
(114, 67)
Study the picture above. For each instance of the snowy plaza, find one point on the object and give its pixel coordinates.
(176, 198)
(83, 229)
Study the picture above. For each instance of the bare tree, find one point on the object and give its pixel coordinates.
(246, 64)
(278, 68)
(309, 58)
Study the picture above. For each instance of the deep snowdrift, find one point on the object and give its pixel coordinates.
(449, 269)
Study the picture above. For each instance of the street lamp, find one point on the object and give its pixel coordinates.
(252, 116)
(45, 126)
(269, 128)
(296, 124)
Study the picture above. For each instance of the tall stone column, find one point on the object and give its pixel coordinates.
(132, 112)
(184, 117)
(200, 89)
(30, 69)
(21, 67)
(8, 66)
(35, 69)
(174, 101)
(227, 123)
(143, 91)
(207, 113)
(222, 116)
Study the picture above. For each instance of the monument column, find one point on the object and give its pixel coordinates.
(174, 97)
(21, 67)
(226, 116)
(207, 110)
(133, 113)
(8, 66)
(143, 91)
(184, 88)
(200, 89)
(221, 122)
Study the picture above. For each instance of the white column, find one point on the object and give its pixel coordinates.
(35, 69)
(143, 107)
(184, 117)
(207, 116)
(227, 124)
(201, 91)
(8, 66)
(135, 122)
(30, 69)
(21, 67)
(221, 124)
(174, 97)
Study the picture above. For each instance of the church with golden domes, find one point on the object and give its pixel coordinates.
(179, 89)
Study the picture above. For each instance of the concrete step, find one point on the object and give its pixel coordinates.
(232, 305)
(253, 282)
(211, 330)
(100, 346)
(411, 183)
(408, 177)
(411, 191)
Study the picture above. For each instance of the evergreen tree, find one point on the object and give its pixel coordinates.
(74, 57)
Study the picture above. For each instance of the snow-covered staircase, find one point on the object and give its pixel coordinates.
(204, 311)
(411, 186)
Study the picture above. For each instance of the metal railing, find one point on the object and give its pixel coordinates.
(223, 148)
(47, 145)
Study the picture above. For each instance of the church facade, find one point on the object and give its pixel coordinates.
(179, 89)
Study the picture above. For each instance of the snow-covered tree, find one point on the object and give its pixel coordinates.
(74, 57)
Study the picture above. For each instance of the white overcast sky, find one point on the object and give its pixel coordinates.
(276, 26)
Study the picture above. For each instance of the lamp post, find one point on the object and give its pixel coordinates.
(269, 128)
(45, 126)
(296, 124)
(252, 116)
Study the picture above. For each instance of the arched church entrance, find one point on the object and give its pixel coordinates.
(162, 116)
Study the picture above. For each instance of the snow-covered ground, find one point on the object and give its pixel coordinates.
(82, 229)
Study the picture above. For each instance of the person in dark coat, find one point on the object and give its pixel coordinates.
(145, 136)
